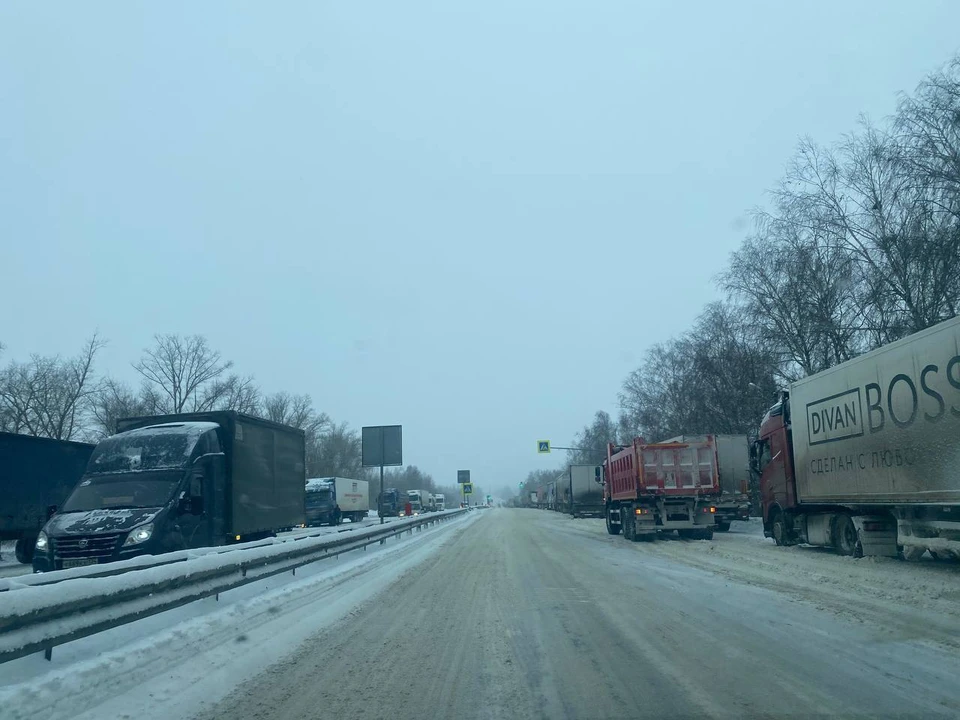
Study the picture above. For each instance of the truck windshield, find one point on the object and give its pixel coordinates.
(316, 498)
(141, 451)
(122, 490)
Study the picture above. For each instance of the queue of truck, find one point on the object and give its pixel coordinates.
(163, 483)
(863, 458)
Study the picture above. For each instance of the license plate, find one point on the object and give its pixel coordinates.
(78, 562)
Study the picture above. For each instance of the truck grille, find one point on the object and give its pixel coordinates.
(85, 546)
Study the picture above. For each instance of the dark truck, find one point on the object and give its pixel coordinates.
(35, 474)
(173, 482)
(393, 503)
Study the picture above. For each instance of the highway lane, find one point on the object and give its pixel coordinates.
(528, 614)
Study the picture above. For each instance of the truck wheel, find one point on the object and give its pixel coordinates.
(707, 533)
(780, 536)
(612, 529)
(845, 535)
(722, 526)
(627, 528)
(685, 534)
(24, 549)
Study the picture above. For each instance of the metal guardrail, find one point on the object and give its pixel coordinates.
(40, 618)
(141, 562)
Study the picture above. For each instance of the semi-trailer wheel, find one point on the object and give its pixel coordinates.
(707, 533)
(685, 534)
(722, 526)
(612, 528)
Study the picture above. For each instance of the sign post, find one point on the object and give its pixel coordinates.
(380, 446)
(463, 479)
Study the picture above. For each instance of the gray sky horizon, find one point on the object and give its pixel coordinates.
(468, 218)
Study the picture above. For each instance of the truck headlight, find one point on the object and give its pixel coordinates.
(139, 535)
(42, 541)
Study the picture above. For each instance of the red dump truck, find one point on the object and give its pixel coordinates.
(865, 457)
(661, 487)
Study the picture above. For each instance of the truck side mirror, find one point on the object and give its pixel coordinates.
(195, 498)
(51, 511)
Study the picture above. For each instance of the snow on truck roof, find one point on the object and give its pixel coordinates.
(192, 428)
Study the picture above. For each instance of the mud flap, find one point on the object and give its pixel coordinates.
(878, 535)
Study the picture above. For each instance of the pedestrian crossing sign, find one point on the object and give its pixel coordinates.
(543, 446)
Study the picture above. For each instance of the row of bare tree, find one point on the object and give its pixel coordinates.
(860, 246)
(65, 398)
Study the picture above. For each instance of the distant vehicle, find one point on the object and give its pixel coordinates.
(429, 503)
(865, 457)
(439, 502)
(580, 491)
(658, 487)
(733, 464)
(35, 473)
(178, 481)
(414, 497)
(392, 503)
(330, 500)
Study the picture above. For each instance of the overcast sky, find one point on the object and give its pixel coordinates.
(470, 218)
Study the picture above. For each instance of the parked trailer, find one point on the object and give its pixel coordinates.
(580, 491)
(35, 474)
(173, 482)
(865, 457)
(661, 487)
(733, 464)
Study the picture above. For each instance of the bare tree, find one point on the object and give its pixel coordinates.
(49, 396)
(334, 453)
(114, 400)
(592, 440)
(182, 370)
(296, 411)
(864, 196)
(231, 393)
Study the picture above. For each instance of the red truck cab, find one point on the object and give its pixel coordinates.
(772, 458)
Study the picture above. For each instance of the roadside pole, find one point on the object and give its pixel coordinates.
(380, 497)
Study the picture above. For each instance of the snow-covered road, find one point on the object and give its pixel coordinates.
(531, 614)
(168, 664)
